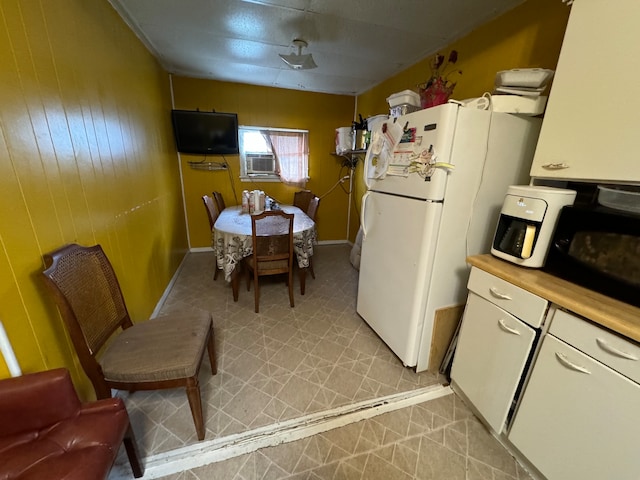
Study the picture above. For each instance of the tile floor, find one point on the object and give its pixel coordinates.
(285, 363)
(435, 440)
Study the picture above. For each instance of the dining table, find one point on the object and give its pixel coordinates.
(231, 242)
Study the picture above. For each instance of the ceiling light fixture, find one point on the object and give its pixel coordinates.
(299, 61)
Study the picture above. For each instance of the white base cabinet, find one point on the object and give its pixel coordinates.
(578, 419)
(491, 354)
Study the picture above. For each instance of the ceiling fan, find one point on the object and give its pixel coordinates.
(299, 61)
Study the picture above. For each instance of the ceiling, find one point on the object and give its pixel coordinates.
(355, 43)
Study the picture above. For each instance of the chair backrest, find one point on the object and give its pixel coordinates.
(87, 292)
(302, 198)
(212, 209)
(313, 208)
(219, 201)
(272, 237)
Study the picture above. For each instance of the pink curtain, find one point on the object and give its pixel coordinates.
(291, 150)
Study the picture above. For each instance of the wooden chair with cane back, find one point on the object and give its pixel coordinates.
(161, 353)
(302, 198)
(212, 214)
(219, 201)
(272, 240)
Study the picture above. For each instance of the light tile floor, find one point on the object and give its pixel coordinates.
(279, 364)
(285, 362)
(435, 440)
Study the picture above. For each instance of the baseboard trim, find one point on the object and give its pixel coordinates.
(165, 294)
(200, 249)
(333, 242)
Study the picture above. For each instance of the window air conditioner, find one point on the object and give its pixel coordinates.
(261, 164)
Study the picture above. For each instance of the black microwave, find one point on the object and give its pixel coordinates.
(598, 248)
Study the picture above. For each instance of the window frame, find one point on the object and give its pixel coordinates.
(275, 177)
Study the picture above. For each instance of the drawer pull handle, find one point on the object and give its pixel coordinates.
(572, 366)
(499, 295)
(614, 351)
(507, 328)
(555, 166)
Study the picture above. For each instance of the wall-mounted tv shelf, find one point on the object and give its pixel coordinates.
(350, 158)
(209, 166)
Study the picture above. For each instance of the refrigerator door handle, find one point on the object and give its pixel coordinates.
(362, 212)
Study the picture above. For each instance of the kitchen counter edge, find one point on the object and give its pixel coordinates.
(610, 313)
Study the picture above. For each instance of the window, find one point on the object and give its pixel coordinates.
(274, 154)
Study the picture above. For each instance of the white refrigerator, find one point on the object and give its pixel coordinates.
(431, 201)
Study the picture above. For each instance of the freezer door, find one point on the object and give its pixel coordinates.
(429, 129)
(395, 268)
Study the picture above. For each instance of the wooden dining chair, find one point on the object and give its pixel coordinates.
(219, 201)
(272, 239)
(302, 198)
(312, 209)
(160, 353)
(212, 213)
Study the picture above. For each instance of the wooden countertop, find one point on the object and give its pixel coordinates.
(606, 311)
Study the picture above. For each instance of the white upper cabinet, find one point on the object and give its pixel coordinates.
(591, 128)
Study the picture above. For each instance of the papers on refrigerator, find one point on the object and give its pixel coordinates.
(383, 141)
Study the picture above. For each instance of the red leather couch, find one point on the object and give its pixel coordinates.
(46, 433)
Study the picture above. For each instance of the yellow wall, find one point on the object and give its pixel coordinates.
(87, 156)
(87, 153)
(268, 107)
(528, 36)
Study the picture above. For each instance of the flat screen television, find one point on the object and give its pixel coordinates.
(208, 133)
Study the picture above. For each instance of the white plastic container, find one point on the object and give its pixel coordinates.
(402, 109)
(258, 201)
(252, 205)
(404, 97)
(524, 77)
(344, 139)
(245, 201)
(518, 104)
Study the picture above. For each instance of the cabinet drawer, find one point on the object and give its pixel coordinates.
(618, 353)
(515, 300)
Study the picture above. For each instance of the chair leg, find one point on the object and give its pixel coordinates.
(212, 352)
(215, 273)
(256, 290)
(235, 282)
(195, 403)
(100, 386)
(290, 282)
(303, 279)
(131, 447)
(313, 274)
